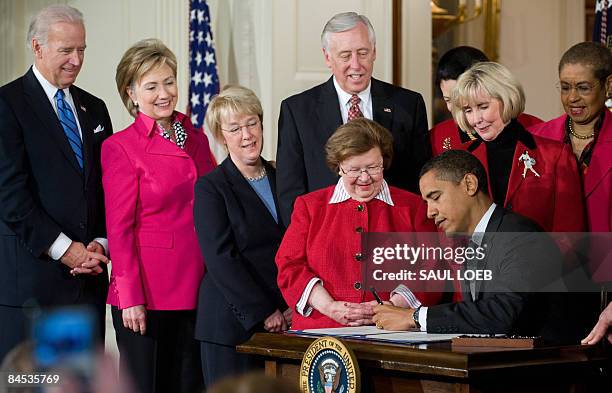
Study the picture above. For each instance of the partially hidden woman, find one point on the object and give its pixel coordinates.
(238, 227)
(319, 260)
(528, 174)
(446, 135)
(149, 172)
(585, 81)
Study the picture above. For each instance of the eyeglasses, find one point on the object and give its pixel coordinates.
(373, 170)
(236, 129)
(583, 89)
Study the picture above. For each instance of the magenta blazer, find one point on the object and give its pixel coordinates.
(598, 180)
(148, 192)
(597, 191)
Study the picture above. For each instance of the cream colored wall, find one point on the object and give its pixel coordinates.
(533, 36)
(273, 45)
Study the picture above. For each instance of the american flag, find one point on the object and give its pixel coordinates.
(204, 80)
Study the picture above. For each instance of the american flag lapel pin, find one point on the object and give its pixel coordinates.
(388, 110)
(83, 108)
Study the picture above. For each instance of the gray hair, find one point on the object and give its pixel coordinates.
(346, 21)
(57, 13)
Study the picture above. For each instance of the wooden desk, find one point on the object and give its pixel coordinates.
(438, 368)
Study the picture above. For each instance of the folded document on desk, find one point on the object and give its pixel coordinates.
(373, 333)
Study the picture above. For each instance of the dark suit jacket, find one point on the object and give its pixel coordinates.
(523, 260)
(239, 239)
(44, 192)
(308, 119)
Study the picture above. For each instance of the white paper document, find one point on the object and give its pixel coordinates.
(373, 333)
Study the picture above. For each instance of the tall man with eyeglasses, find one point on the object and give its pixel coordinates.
(52, 231)
(308, 119)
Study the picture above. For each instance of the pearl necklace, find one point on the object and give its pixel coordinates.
(261, 175)
(578, 136)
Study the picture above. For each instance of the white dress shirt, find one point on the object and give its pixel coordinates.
(365, 105)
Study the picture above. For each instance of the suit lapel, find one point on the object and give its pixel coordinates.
(328, 109)
(160, 145)
(599, 166)
(516, 173)
(240, 186)
(479, 149)
(38, 101)
(488, 243)
(382, 107)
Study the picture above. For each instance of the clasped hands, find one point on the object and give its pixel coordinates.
(278, 321)
(84, 260)
(391, 315)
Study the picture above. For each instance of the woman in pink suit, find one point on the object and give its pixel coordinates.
(149, 172)
(319, 260)
(585, 81)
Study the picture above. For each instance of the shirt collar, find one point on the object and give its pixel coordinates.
(344, 97)
(481, 227)
(151, 125)
(340, 194)
(50, 89)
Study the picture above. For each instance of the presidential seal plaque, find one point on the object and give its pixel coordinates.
(329, 366)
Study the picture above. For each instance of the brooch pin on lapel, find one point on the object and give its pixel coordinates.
(446, 143)
(528, 162)
(83, 108)
(387, 110)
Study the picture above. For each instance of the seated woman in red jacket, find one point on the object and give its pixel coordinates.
(319, 260)
(446, 135)
(530, 175)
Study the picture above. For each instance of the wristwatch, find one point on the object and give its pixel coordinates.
(415, 317)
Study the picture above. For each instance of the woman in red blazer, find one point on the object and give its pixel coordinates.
(319, 260)
(149, 171)
(447, 135)
(529, 175)
(585, 81)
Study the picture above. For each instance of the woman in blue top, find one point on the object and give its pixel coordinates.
(237, 223)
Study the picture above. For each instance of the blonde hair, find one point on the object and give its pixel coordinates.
(357, 137)
(494, 80)
(140, 58)
(231, 99)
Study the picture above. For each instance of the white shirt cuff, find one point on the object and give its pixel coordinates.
(423, 318)
(59, 246)
(407, 294)
(302, 306)
(104, 243)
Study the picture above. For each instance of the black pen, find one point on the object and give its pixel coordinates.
(376, 295)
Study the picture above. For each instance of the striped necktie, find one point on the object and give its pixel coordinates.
(69, 125)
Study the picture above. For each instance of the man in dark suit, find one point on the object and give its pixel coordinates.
(52, 230)
(522, 261)
(308, 119)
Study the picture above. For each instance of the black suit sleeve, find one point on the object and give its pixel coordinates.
(224, 262)
(421, 145)
(291, 175)
(19, 209)
(520, 264)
